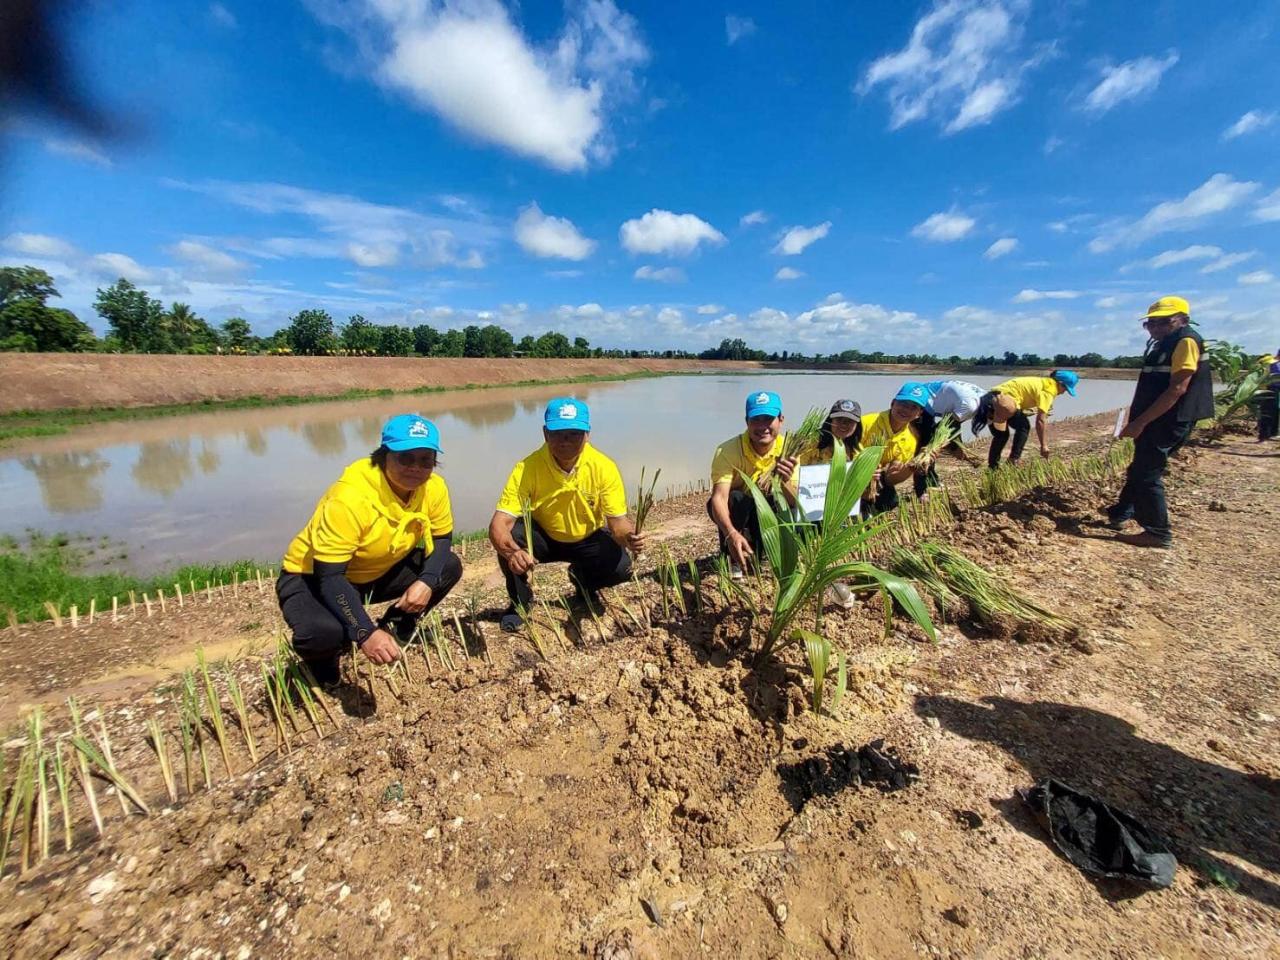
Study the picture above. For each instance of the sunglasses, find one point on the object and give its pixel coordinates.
(424, 461)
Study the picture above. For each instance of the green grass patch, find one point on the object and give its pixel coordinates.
(21, 424)
(51, 568)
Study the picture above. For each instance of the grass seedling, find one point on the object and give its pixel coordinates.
(695, 577)
(104, 744)
(242, 714)
(644, 500)
(555, 628)
(91, 753)
(186, 737)
(283, 743)
(437, 639)
(156, 734)
(462, 637)
(18, 812)
(191, 704)
(527, 616)
(62, 779)
(86, 781)
(214, 704)
(798, 442)
(307, 701)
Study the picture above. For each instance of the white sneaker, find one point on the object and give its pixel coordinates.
(735, 571)
(842, 595)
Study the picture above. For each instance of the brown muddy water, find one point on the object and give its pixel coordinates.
(220, 486)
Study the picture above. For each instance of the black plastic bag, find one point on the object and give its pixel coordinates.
(1098, 838)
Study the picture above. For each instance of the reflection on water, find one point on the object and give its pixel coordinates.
(68, 481)
(202, 487)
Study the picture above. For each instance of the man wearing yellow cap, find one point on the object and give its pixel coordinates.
(1175, 389)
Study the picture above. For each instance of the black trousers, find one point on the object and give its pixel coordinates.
(1142, 497)
(927, 426)
(318, 635)
(595, 561)
(1268, 413)
(745, 519)
(1020, 426)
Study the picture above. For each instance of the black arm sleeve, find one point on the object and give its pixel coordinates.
(436, 559)
(343, 600)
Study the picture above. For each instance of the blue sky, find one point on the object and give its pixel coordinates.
(962, 176)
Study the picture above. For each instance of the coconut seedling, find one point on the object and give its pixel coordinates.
(214, 704)
(806, 560)
(817, 650)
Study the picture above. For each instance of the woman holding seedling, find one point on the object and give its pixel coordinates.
(843, 425)
(383, 531)
(894, 430)
(1008, 404)
(954, 399)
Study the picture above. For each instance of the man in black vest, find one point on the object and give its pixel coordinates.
(1175, 389)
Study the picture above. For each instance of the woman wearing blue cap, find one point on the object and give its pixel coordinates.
(894, 430)
(1008, 404)
(366, 539)
(578, 505)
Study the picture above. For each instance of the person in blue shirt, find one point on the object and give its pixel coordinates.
(957, 399)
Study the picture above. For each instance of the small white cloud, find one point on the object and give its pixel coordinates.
(787, 273)
(1001, 248)
(1228, 260)
(208, 262)
(1107, 303)
(39, 245)
(660, 274)
(545, 236)
(944, 227)
(1059, 226)
(664, 232)
(735, 28)
(710, 309)
(1052, 144)
(1219, 193)
(564, 274)
(1255, 278)
(1031, 296)
(113, 265)
(1128, 81)
(796, 239)
(78, 150)
(1248, 123)
(222, 16)
(753, 218)
(1197, 251)
(1268, 208)
(374, 254)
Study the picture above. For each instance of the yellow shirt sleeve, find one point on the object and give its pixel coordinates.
(1186, 356)
(1048, 394)
(509, 502)
(722, 464)
(613, 495)
(336, 532)
(439, 509)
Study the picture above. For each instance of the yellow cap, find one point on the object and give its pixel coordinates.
(1168, 306)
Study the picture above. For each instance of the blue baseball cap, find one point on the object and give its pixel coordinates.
(764, 404)
(410, 432)
(916, 393)
(567, 413)
(1068, 378)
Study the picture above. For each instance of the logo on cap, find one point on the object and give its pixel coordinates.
(568, 411)
(419, 429)
(762, 398)
(846, 405)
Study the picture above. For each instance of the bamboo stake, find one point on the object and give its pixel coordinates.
(235, 583)
(177, 592)
(75, 617)
(133, 602)
(115, 609)
(147, 600)
(208, 591)
(160, 594)
(93, 608)
(462, 637)
(54, 611)
(12, 616)
(258, 574)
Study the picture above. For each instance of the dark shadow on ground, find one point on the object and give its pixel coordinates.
(1195, 804)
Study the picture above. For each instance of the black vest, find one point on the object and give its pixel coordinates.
(1197, 402)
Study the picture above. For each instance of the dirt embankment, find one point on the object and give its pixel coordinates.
(61, 381)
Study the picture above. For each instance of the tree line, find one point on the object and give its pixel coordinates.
(139, 323)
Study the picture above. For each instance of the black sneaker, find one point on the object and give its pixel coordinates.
(511, 622)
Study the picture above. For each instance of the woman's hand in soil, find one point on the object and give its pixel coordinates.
(1045, 453)
(416, 598)
(521, 562)
(381, 647)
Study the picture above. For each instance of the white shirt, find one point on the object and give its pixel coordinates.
(958, 398)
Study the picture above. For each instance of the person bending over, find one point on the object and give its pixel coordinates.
(753, 456)
(1006, 406)
(369, 537)
(579, 512)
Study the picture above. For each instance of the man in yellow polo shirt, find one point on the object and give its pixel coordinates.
(754, 453)
(579, 510)
(1174, 391)
(1008, 404)
(894, 430)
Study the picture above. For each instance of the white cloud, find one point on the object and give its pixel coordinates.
(735, 28)
(1228, 260)
(752, 218)
(545, 236)
(787, 273)
(1268, 208)
(1031, 296)
(1197, 251)
(564, 274)
(1059, 226)
(1127, 81)
(944, 227)
(796, 239)
(466, 61)
(1001, 248)
(368, 234)
(710, 309)
(208, 262)
(664, 232)
(222, 16)
(963, 64)
(1256, 278)
(78, 150)
(1107, 303)
(113, 265)
(39, 245)
(660, 274)
(1219, 193)
(1052, 144)
(1248, 123)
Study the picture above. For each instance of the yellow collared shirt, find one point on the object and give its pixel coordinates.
(568, 506)
(361, 522)
(737, 454)
(877, 431)
(1031, 393)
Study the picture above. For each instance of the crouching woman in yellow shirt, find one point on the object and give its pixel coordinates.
(894, 430)
(367, 538)
(574, 492)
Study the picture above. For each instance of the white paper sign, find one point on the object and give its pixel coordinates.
(811, 496)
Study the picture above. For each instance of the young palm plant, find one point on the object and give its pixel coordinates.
(807, 560)
(818, 649)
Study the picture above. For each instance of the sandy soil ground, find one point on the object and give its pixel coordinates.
(56, 381)
(650, 794)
